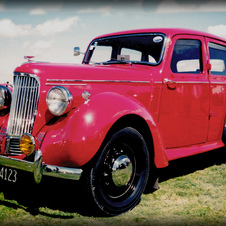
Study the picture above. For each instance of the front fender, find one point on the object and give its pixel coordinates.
(75, 138)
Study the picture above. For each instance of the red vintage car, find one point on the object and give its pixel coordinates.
(139, 99)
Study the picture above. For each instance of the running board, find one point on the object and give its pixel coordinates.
(176, 153)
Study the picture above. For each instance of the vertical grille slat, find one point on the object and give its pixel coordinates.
(23, 108)
(13, 105)
(19, 108)
(30, 108)
(23, 97)
(26, 94)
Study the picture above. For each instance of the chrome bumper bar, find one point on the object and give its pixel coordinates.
(38, 168)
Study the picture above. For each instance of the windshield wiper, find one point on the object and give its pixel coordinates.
(116, 62)
(125, 62)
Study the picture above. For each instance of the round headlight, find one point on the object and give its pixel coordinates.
(27, 144)
(5, 97)
(59, 100)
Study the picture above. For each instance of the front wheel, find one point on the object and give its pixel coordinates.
(118, 178)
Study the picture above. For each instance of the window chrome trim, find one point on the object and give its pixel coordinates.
(165, 40)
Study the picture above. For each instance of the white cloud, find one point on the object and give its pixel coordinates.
(51, 27)
(38, 11)
(219, 30)
(47, 7)
(37, 48)
(104, 10)
(8, 29)
(43, 45)
(171, 6)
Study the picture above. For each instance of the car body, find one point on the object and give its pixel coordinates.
(139, 99)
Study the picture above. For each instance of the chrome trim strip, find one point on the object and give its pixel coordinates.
(39, 168)
(16, 163)
(61, 82)
(110, 81)
(65, 84)
(217, 83)
(62, 172)
(192, 82)
(29, 75)
(184, 82)
(95, 81)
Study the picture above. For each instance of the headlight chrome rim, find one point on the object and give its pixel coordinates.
(5, 97)
(59, 100)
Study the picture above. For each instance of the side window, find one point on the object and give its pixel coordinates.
(217, 59)
(187, 57)
(101, 53)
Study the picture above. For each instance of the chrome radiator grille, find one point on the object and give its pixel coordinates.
(13, 146)
(24, 105)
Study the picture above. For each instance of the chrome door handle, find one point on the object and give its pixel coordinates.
(170, 83)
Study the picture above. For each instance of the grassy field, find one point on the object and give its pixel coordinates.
(192, 192)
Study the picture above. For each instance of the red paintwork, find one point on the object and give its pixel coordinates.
(75, 138)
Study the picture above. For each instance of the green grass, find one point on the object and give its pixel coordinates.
(192, 192)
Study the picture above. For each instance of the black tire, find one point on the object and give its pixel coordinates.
(119, 176)
(224, 136)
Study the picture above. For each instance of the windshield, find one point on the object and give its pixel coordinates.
(135, 48)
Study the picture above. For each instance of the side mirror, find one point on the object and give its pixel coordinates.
(77, 51)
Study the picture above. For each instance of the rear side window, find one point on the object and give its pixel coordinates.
(187, 57)
(217, 59)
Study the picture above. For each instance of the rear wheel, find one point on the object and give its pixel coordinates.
(118, 178)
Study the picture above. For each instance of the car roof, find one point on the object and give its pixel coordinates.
(169, 32)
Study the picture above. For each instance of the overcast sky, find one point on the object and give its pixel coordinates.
(49, 30)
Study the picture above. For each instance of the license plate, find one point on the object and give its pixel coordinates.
(8, 174)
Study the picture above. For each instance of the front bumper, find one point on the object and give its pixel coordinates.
(38, 168)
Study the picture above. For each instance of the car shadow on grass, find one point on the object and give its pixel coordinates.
(188, 165)
(52, 198)
(62, 199)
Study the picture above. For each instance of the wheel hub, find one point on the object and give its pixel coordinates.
(122, 170)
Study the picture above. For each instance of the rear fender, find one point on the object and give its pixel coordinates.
(75, 139)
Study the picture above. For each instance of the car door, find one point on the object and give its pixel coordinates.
(184, 107)
(217, 60)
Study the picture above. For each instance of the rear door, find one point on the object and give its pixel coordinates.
(184, 110)
(217, 59)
